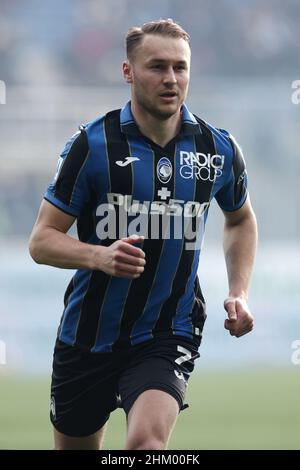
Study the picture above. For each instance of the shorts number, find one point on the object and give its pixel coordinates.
(187, 355)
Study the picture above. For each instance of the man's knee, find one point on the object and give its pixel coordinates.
(91, 442)
(145, 443)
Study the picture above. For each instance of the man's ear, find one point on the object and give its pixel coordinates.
(127, 71)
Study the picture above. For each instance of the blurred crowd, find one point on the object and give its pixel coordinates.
(82, 41)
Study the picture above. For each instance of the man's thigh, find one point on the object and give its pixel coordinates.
(151, 420)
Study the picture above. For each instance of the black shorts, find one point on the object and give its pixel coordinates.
(86, 387)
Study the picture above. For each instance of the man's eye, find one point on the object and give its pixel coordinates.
(156, 66)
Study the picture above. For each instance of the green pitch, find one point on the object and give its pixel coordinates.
(241, 410)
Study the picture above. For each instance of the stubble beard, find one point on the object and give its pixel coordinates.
(146, 105)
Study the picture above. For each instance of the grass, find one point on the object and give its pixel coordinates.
(228, 410)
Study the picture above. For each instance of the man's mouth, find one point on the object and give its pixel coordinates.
(168, 94)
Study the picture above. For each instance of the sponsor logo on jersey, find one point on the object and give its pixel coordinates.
(163, 193)
(123, 216)
(127, 161)
(242, 177)
(164, 170)
(201, 166)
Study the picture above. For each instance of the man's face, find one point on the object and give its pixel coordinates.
(159, 74)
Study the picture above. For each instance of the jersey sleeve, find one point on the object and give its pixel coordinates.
(233, 193)
(70, 189)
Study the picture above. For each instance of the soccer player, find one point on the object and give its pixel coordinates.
(139, 181)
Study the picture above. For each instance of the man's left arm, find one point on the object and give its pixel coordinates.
(240, 240)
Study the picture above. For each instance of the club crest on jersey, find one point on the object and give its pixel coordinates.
(164, 170)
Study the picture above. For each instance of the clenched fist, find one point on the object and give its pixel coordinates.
(121, 258)
(240, 319)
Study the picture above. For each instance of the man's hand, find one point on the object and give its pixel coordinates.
(122, 259)
(240, 320)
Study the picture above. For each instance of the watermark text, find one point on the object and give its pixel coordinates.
(295, 357)
(296, 94)
(2, 92)
(2, 353)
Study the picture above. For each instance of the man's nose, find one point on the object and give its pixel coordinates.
(170, 76)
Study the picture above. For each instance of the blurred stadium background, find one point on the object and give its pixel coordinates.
(61, 63)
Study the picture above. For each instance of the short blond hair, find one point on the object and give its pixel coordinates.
(166, 27)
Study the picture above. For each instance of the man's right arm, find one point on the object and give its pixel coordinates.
(50, 244)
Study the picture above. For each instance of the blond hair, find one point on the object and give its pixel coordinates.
(163, 27)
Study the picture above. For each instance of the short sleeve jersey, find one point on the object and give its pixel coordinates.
(117, 182)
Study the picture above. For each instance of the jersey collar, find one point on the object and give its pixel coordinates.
(189, 125)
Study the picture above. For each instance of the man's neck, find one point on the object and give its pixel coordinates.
(159, 131)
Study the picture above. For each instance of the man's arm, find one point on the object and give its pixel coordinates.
(50, 244)
(240, 240)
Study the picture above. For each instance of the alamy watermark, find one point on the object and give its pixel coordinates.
(296, 94)
(295, 357)
(2, 353)
(123, 216)
(2, 92)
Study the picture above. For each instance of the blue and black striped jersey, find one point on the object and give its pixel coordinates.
(116, 182)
